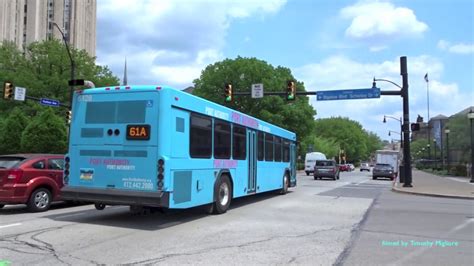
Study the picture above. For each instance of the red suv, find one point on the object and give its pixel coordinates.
(31, 179)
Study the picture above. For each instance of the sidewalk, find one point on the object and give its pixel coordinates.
(439, 186)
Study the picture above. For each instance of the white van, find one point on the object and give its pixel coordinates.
(310, 161)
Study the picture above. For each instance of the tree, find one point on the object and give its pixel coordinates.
(10, 130)
(459, 136)
(44, 70)
(349, 136)
(328, 146)
(46, 133)
(241, 72)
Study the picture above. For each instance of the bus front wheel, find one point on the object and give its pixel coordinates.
(222, 196)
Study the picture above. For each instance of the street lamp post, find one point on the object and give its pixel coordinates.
(434, 148)
(71, 88)
(407, 173)
(446, 131)
(470, 115)
(401, 128)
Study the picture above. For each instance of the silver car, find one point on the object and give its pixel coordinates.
(365, 167)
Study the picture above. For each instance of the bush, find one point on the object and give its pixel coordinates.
(458, 170)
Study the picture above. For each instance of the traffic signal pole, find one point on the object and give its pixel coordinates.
(406, 123)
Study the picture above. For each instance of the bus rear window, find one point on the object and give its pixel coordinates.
(116, 112)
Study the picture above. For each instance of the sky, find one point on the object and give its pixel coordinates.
(327, 45)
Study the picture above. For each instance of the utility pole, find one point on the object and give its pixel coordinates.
(406, 122)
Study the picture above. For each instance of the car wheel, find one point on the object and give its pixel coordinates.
(223, 196)
(374, 177)
(307, 173)
(40, 200)
(2, 205)
(99, 206)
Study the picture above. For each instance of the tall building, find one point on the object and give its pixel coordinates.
(27, 21)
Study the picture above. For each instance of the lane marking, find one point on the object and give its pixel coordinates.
(9, 225)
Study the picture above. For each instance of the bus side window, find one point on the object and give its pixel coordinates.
(286, 151)
(239, 151)
(277, 149)
(221, 139)
(200, 136)
(261, 150)
(268, 147)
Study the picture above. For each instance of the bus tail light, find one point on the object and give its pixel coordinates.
(67, 160)
(161, 169)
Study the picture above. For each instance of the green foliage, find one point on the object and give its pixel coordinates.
(459, 136)
(296, 116)
(10, 130)
(348, 135)
(328, 146)
(45, 69)
(46, 133)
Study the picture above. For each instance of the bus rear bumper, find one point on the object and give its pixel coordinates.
(116, 197)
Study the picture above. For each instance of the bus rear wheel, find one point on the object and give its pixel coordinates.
(222, 196)
(286, 183)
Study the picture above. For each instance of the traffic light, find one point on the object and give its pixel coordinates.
(415, 127)
(68, 116)
(228, 92)
(7, 90)
(291, 90)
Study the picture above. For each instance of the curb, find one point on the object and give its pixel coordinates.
(430, 194)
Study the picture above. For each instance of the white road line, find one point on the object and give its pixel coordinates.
(70, 215)
(9, 225)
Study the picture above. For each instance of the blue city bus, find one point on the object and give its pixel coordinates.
(161, 147)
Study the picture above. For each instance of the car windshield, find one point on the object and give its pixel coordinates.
(324, 163)
(9, 162)
(382, 165)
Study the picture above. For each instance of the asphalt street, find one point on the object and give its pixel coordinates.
(320, 222)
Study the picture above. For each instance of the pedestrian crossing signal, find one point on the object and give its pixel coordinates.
(415, 127)
(7, 90)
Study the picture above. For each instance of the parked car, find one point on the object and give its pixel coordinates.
(343, 168)
(351, 167)
(31, 179)
(326, 168)
(383, 170)
(365, 167)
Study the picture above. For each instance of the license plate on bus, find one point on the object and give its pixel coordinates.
(138, 132)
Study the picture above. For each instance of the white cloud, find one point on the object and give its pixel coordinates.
(378, 48)
(340, 73)
(460, 48)
(169, 41)
(371, 19)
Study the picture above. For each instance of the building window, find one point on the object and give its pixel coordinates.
(200, 136)
(268, 147)
(239, 151)
(221, 139)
